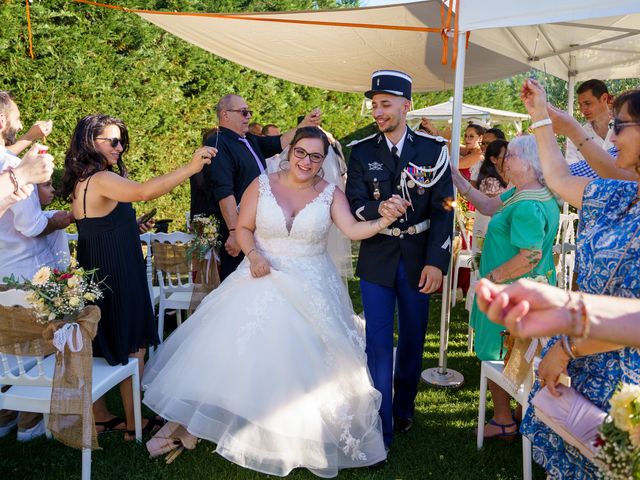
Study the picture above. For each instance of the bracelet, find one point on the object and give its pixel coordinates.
(568, 347)
(541, 123)
(251, 251)
(580, 321)
(14, 180)
(579, 146)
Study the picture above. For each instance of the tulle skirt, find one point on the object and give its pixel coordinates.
(273, 371)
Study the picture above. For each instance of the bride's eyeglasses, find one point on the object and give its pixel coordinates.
(112, 141)
(301, 153)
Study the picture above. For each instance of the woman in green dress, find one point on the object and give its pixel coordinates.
(519, 244)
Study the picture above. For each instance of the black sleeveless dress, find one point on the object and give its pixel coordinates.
(112, 245)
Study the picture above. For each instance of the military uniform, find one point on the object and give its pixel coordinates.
(390, 263)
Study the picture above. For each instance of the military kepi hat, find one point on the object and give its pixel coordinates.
(390, 81)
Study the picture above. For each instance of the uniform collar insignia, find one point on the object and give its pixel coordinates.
(375, 166)
(409, 136)
(380, 138)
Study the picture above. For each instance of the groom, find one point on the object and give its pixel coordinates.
(405, 262)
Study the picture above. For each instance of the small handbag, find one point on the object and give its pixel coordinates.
(572, 416)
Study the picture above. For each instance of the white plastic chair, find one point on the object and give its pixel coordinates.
(565, 247)
(463, 260)
(492, 370)
(175, 287)
(30, 389)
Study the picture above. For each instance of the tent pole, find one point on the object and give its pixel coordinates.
(441, 376)
(571, 84)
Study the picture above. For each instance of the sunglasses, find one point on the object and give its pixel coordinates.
(618, 125)
(301, 153)
(243, 111)
(114, 142)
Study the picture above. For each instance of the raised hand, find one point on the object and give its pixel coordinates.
(202, 157)
(312, 119)
(534, 98)
(39, 130)
(563, 123)
(35, 167)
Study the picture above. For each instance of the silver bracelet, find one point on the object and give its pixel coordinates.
(540, 123)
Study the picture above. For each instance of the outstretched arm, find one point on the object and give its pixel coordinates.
(484, 204)
(554, 167)
(115, 187)
(600, 160)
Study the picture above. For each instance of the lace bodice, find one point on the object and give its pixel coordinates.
(309, 230)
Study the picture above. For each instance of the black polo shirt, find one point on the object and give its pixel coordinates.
(234, 167)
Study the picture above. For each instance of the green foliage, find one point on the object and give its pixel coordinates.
(91, 60)
(165, 89)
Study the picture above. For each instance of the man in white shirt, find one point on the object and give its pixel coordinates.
(23, 245)
(593, 101)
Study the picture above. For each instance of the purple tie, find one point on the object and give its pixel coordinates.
(255, 155)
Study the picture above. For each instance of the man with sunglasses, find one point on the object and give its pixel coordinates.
(405, 263)
(593, 102)
(240, 159)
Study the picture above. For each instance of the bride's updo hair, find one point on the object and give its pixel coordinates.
(311, 132)
(302, 133)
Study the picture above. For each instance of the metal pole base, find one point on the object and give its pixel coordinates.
(447, 379)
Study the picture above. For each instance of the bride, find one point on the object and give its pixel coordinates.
(271, 367)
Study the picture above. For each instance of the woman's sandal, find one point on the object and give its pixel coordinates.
(110, 425)
(153, 425)
(503, 435)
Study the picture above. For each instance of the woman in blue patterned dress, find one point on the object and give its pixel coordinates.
(609, 245)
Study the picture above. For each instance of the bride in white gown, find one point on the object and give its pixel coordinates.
(271, 367)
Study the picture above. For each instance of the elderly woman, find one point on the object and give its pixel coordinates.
(610, 256)
(518, 244)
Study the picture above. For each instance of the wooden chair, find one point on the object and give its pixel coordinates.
(30, 387)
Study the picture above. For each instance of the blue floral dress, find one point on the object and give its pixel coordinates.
(609, 242)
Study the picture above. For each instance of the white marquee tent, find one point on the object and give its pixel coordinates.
(443, 112)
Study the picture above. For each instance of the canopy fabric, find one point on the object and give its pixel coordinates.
(604, 48)
(444, 111)
(337, 57)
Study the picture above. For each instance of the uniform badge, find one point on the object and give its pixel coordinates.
(411, 184)
(421, 190)
(375, 166)
(376, 189)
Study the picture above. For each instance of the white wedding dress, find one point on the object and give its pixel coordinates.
(273, 369)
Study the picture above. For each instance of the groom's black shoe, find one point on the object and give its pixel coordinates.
(402, 425)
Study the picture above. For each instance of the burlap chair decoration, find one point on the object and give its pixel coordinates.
(71, 411)
(172, 258)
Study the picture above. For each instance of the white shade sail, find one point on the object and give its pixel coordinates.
(337, 57)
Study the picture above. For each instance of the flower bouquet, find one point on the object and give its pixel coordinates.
(205, 232)
(618, 457)
(55, 294)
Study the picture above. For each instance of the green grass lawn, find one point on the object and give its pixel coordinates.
(440, 446)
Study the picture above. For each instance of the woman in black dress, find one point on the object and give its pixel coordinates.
(108, 239)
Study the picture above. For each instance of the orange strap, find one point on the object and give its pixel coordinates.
(29, 31)
(250, 17)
